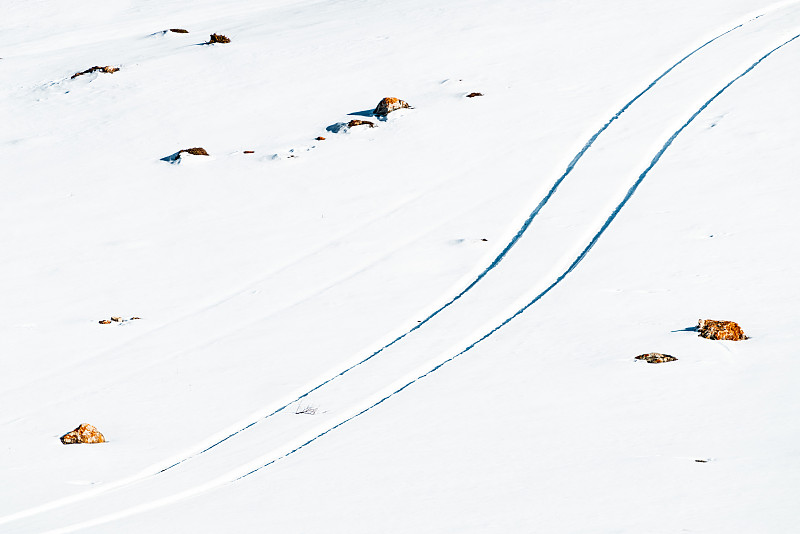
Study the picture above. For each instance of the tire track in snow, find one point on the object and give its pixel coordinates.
(526, 224)
(558, 280)
(155, 470)
(232, 477)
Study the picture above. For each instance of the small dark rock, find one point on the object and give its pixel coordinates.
(473, 95)
(107, 69)
(178, 30)
(656, 357)
(359, 122)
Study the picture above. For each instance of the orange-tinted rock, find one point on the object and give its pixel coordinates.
(320, 138)
(389, 104)
(196, 151)
(473, 95)
(83, 434)
(656, 357)
(105, 321)
(217, 38)
(726, 330)
(358, 122)
(108, 69)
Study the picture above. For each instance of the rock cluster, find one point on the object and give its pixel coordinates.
(107, 69)
(389, 104)
(726, 330)
(656, 357)
(85, 433)
(118, 320)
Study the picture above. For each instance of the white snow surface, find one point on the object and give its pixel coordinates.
(456, 295)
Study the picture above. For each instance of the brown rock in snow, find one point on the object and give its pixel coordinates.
(108, 69)
(358, 122)
(389, 104)
(726, 330)
(473, 95)
(196, 151)
(320, 138)
(218, 38)
(178, 30)
(249, 151)
(105, 321)
(656, 357)
(83, 434)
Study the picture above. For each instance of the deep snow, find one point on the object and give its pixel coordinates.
(261, 277)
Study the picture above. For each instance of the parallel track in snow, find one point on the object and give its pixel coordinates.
(526, 224)
(216, 483)
(493, 265)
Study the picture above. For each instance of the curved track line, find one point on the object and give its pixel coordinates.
(155, 470)
(499, 257)
(221, 480)
(561, 277)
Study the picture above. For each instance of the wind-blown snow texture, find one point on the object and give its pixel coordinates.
(629, 170)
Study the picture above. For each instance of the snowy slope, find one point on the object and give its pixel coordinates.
(628, 170)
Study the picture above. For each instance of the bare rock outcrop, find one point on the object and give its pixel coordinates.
(178, 30)
(389, 104)
(473, 95)
(656, 357)
(725, 330)
(107, 69)
(85, 433)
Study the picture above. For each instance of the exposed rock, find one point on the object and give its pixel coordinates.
(196, 151)
(105, 321)
(389, 104)
(473, 95)
(108, 69)
(83, 434)
(656, 357)
(320, 138)
(178, 30)
(358, 122)
(117, 319)
(135, 318)
(727, 330)
(218, 38)
(249, 151)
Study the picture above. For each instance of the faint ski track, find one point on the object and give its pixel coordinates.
(227, 480)
(148, 472)
(154, 470)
